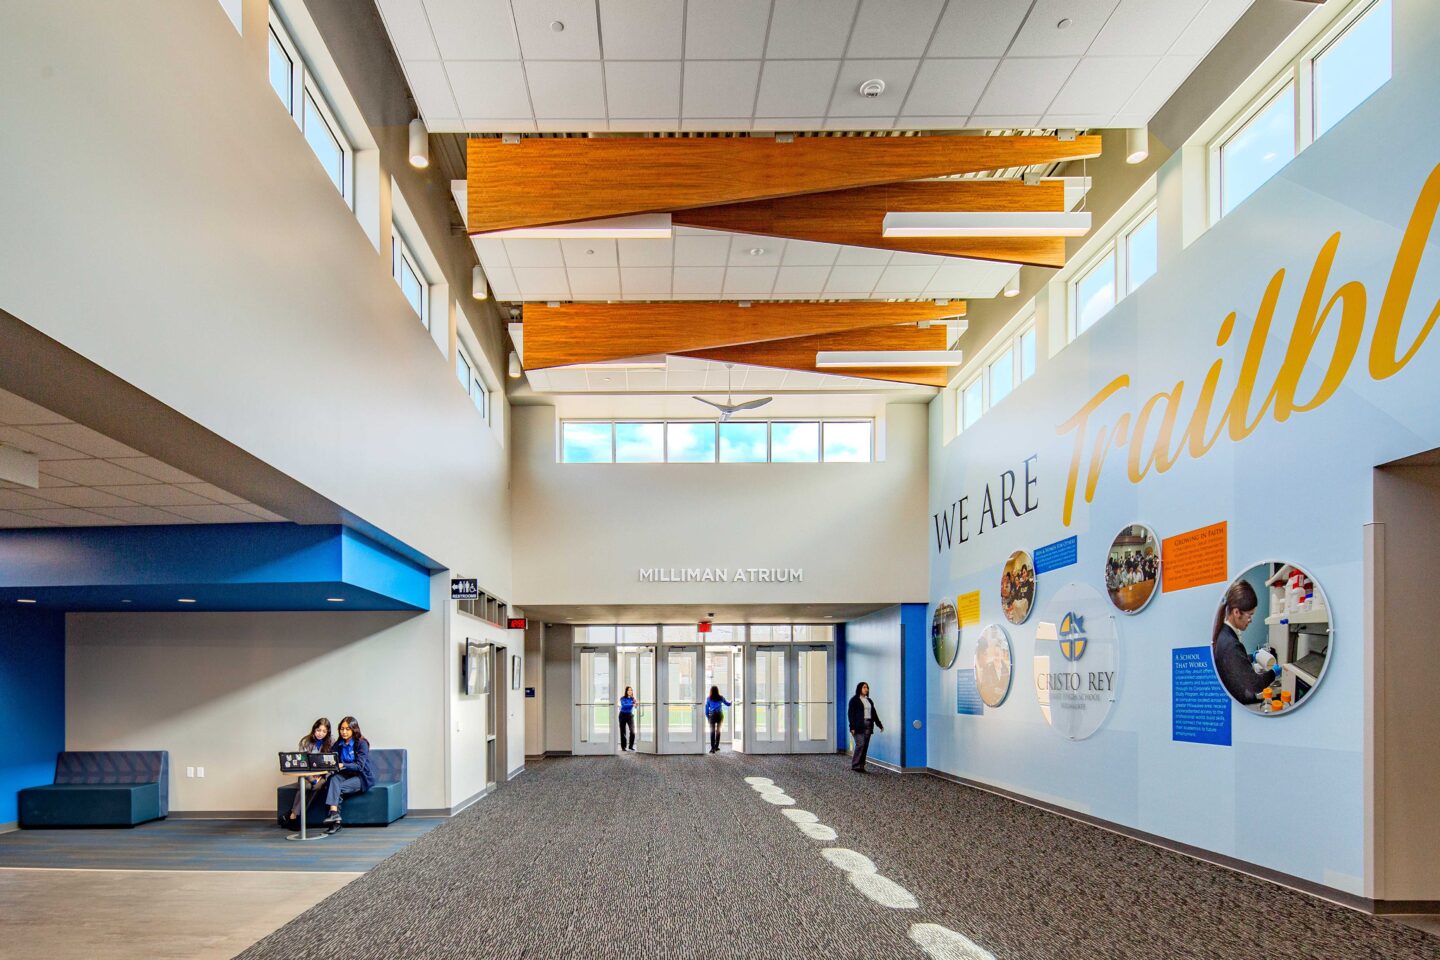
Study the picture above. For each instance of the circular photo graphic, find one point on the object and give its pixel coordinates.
(1271, 639)
(1077, 660)
(1017, 587)
(945, 634)
(992, 665)
(1132, 570)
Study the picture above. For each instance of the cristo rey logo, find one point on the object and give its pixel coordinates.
(1072, 636)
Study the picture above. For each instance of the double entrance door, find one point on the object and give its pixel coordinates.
(781, 697)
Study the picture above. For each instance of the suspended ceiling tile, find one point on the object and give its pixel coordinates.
(42, 447)
(569, 90)
(743, 249)
(595, 252)
(1102, 85)
(542, 283)
(431, 86)
(726, 29)
(642, 29)
(788, 124)
(948, 87)
(500, 125)
(801, 281)
(79, 437)
(491, 250)
(977, 28)
(1209, 25)
(1026, 86)
(708, 250)
(535, 253)
(589, 283)
(792, 88)
(1043, 36)
(144, 515)
(810, 29)
(654, 281)
(643, 90)
(847, 101)
(1008, 122)
(749, 281)
(489, 89)
(903, 280)
(643, 125)
(157, 495)
(20, 500)
(260, 513)
(17, 411)
(885, 29)
(698, 281)
(854, 279)
(18, 520)
(578, 38)
(71, 517)
(1140, 27)
(646, 253)
(858, 123)
(718, 88)
(807, 253)
(91, 472)
(213, 513)
(722, 124)
(409, 29)
(1167, 76)
(154, 469)
(473, 29)
(502, 284)
(212, 492)
(863, 256)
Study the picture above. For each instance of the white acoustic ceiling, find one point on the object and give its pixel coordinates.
(690, 375)
(523, 66)
(716, 265)
(90, 480)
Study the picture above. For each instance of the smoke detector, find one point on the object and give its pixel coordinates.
(871, 89)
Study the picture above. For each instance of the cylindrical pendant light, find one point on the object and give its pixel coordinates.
(1137, 144)
(515, 369)
(479, 289)
(1012, 286)
(419, 144)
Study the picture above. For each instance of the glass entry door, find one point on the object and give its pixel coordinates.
(769, 699)
(637, 670)
(720, 672)
(593, 680)
(681, 718)
(814, 702)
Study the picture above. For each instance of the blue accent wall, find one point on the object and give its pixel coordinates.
(842, 696)
(915, 643)
(32, 701)
(242, 566)
(873, 655)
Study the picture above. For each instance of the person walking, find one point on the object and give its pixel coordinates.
(864, 721)
(715, 713)
(627, 718)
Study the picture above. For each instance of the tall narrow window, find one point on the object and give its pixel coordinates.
(1002, 376)
(1258, 149)
(323, 141)
(970, 399)
(462, 370)
(282, 73)
(297, 89)
(407, 274)
(1027, 353)
(1142, 253)
(1354, 66)
(1095, 293)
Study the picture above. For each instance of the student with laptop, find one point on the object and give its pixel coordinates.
(318, 740)
(352, 774)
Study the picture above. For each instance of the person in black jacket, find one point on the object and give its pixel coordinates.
(1232, 660)
(864, 721)
(352, 774)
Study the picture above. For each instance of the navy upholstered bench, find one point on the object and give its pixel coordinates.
(379, 806)
(100, 788)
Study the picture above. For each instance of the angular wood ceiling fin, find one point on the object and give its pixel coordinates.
(537, 182)
(571, 333)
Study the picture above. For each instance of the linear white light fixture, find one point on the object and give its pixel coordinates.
(479, 289)
(419, 144)
(640, 226)
(986, 224)
(18, 466)
(828, 359)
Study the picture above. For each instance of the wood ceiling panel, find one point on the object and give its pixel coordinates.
(571, 333)
(798, 353)
(856, 217)
(539, 182)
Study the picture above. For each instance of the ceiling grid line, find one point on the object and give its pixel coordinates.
(849, 38)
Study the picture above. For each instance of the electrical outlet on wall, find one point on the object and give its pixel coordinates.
(190, 771)
(200, 772)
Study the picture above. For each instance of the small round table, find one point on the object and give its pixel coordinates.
(303, 835)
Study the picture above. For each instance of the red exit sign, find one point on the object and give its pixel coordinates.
(516, 623)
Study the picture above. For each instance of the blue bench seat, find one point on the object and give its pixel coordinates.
(379, 806)
(100, 788)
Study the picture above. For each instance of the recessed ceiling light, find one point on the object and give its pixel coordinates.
(127, 601)
(23, 600)
(334, 599)
(605, 379)
(557, 26)
(590, 253)
(1064, 24)
(185, 600)
(829, 616)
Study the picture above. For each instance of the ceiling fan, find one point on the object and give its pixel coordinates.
(728, 409)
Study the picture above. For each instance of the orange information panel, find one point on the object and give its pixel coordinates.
(967, 609)
(1195, 558)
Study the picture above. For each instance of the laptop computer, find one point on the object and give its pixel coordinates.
(297, 762)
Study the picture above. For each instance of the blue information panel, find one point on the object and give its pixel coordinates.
(1053, 556)
(1201, 708)
(967, 694)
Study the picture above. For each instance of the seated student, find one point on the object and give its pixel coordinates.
(318, 740)
(353, 775)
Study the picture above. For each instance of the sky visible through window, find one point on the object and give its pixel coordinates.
(690, 442)
(1262, 147)
(795, 442)
(1355, 66)
(586, 443)
(1095, 294)
(639, 442)
(706, 441)
(743, 443)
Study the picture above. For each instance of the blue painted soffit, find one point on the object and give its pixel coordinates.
(232, 566)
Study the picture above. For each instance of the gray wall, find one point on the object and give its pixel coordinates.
(584, 530)
(558, 706)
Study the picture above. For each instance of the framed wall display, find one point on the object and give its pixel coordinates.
(993, 665)
(1017, 587)
(1077, 661)
(1132, 568)
(944, 634)
(514, 672)
(1270, 641)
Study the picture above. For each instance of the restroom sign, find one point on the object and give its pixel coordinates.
(461, 589)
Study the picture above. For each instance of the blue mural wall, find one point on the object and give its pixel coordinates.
(1316, 371)
(32, 700)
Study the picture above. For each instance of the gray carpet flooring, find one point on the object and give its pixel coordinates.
(641, 857)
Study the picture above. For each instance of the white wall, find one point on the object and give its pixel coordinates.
(558, 705)
(535, 680)
(583, 531)
(469, 717)
(233, 282)
(226, 691)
